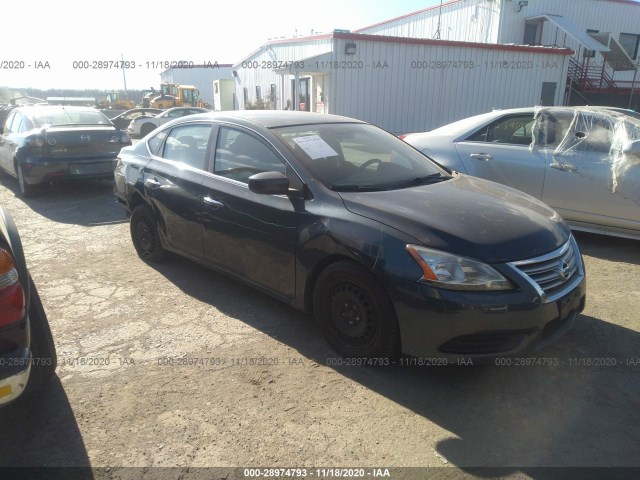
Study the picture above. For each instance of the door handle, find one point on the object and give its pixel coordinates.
(212, 202)
(481, 156)
(564, 167)
(152, 183)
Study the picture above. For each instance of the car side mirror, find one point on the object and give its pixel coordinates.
(269, 183)
(632, 148)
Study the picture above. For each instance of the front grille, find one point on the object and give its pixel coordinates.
(553, 272)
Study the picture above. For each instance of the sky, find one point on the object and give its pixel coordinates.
(56, 40)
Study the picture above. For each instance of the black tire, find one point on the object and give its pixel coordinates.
(26, 190)
(144, 234)
(43, 348)
(355, 313)
(146, 129)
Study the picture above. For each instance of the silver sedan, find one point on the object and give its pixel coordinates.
(582, 161)
(142, 126)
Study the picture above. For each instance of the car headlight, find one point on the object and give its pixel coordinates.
(455, 272)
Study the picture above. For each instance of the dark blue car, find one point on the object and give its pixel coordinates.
(47, 143)
(389, 251)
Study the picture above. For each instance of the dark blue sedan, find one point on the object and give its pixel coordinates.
(46, 143)
(389, 251)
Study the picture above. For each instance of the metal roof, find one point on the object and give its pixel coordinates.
(572, 30)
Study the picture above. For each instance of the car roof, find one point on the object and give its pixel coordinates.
(273, 118)
(35, 109)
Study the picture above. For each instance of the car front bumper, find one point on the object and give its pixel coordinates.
(133, 130)
(14, 375)
(453, 324)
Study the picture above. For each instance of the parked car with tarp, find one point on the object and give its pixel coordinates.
(582, 161)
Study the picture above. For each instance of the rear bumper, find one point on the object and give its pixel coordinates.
(15, 370)
(44, 170)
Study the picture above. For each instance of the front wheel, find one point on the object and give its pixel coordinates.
(355, 313)
(144, 234)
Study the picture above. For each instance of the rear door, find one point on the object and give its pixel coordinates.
(500, 152)
(173, 183)
(249, 235)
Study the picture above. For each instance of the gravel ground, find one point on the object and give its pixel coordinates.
(173, 365)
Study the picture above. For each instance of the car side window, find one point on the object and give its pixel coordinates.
(188, 144)
(513, 130)
(155, 143)
(26, 125)
(16, 123)
(240, 155)
(8, 121)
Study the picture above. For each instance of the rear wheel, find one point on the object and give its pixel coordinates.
(146, 129)
(144, 234)
(42, 345)
(355, 313)
(25, 189)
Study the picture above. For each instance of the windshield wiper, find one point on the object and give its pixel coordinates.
(423, 180)
(354, 188)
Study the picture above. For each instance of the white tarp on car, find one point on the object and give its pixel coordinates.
(576, 136)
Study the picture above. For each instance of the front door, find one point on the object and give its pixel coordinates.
(500, 152)
(249, 235)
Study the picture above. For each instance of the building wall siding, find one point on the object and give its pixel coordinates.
(404, 98)
(468, 21)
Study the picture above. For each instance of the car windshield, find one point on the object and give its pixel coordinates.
(65, 116)
(358, 157)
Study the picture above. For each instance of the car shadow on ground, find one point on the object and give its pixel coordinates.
(614, 249)
(89, 203)
(576, 405)
(31, 423)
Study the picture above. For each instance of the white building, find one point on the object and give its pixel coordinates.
(446, 62)
(200, 76)
(607, 66)
(400, 84)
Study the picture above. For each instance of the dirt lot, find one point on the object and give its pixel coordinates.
(155, 370)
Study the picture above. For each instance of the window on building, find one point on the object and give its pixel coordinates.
(245, 92)
(258, 92)
(630, 42)
(272, 94)
(532, 33)
(590, 53)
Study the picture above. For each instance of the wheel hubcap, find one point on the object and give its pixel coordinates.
(352, 314)
(145, 236)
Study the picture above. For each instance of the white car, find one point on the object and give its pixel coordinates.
(582, 161)
(142, 126)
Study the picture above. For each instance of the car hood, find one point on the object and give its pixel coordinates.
(467, 215)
